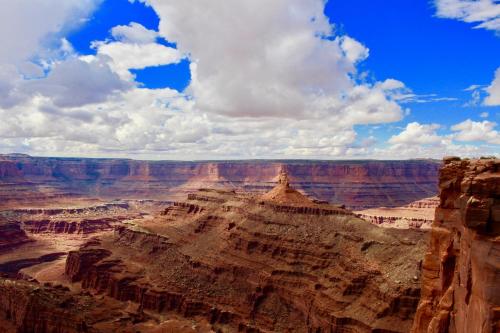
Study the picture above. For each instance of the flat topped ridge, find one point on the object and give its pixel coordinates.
(283, 193)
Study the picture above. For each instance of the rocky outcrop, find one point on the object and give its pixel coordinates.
(11, 235)
(357, 184)
(461, 270)
(84, 226)
(396, 221)
(418, 214)
(81, 220)
(431, 202)
(93, 209)
(26, 307)
(234, 260)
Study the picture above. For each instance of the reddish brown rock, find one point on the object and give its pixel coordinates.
(26, 307)
(461, 270)
(248, 263)
(11, 235)
(357, 184)
(418, 214)
(83, 226)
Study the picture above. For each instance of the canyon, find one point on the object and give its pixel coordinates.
(228, 250)
(28, 181)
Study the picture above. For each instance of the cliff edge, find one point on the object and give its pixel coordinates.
(461, 270)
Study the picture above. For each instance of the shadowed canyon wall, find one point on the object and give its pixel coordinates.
(357, 184)
(461, 270)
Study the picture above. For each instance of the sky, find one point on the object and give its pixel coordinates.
(250, 79)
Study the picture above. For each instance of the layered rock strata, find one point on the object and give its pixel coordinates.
(25, 180)
(84, 226)
(27, 307)
(418, 214)
(245, 266)
(11, 235)
(73, 220)
(461, 270)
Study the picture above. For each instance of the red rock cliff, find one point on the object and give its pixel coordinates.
(461, 270)
(357, 184)
(11, 235)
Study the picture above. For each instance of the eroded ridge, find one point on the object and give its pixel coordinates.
(239, 263)
(461, 270)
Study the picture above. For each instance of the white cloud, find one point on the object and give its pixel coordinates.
(275, 81)
(74, 82)
(354, 50)
(281, 61)
(134, 33)
(485, 13)
(125, 56)
(31, 30)
(161, 121)
(484, 115)
(391, 84)
(417, 134)
(469, 130)
(422, 141)
(493, 90)
(27, 27)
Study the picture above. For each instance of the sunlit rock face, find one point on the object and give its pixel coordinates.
(417, 214)
(278, 262)
(356, 184)
(461, 270)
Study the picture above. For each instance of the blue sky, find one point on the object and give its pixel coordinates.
(389, 76)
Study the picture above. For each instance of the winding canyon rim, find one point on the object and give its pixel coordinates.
(356, 184)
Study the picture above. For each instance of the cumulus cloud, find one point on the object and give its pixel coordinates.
(417, 134)
(493, 90)
(38, 28)
(149, 122)
(279, 87)
(469, 130)
(484, 13)
(423, 140)
(276, 81)
(125, 56)
(37, 24)
(74, 82)
(354, 50)
(134, 33)
(281, 61)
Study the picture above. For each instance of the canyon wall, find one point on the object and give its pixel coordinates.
(11, 235)
(418, 214)
(25, 307)
(357, 184)
(461, 270)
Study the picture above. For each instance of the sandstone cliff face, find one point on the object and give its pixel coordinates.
(28, 308)
(11, 235)
(73, 220)
(461, 270)
(418, 214)
(357, 184)
(85, 226)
